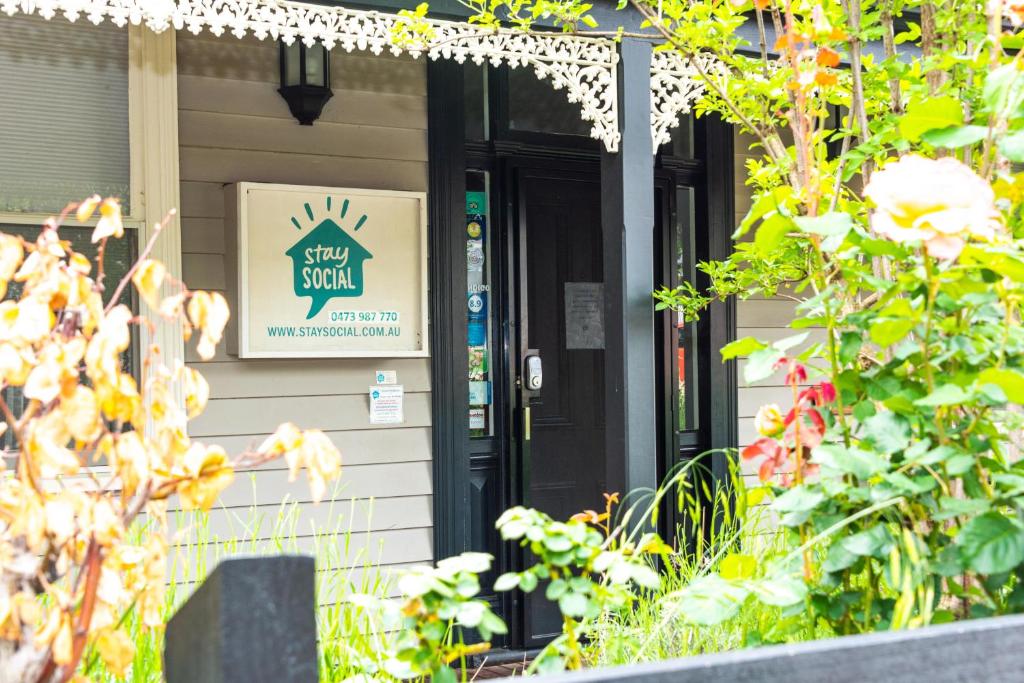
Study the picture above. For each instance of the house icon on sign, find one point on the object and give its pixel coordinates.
(327, 262)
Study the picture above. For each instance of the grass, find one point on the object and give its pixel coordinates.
(352, 638)
(355, 618)
(654, 629)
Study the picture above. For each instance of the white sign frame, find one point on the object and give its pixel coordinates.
(240, 253)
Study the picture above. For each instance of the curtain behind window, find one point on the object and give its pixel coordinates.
(63, 112)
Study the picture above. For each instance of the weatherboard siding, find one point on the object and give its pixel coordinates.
(766, 319)
(234, 127)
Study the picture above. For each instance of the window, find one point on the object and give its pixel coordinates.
(65, 136)
(64, 107)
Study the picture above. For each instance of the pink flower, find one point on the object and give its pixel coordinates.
(940, 202)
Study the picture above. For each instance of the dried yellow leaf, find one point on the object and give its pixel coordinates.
(117, 651)
(86, 209)
(148, 278)
(109, 224)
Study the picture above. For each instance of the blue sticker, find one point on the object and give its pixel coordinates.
(476, 333)
(476, 303)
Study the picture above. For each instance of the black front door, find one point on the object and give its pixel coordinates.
(560, 307)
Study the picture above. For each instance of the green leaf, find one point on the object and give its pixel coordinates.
(557, 543)
(888, 432)
(779, 591)
(493, 623)
(506, 582)
(737, 566)
(573, 604)
(711, 600)
(860, 463)
(789, 342)
(1012, 146)
(945, 395)
(1003, 91)
(875, 542)
(955, 137)
(444, 674)
(768, 202)
(885, 332)
(556, 589)
(833, 226)
(838, 558)
(645, 577)
(826, 225)
(771, 232)
(798, 499)
(928, 114)
(1002, 263)
(741, 347)
(953, 507)
(991, 543)
(849, 346)
(1010, 381)
(761, 365)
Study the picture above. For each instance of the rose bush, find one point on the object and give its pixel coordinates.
(97, 447)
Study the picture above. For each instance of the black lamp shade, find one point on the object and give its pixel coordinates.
(305, 80)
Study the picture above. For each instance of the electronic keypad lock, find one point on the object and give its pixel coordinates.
(533, 373)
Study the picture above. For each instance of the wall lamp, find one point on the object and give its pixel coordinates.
(305, 79)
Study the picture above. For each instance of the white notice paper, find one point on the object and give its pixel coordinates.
(386, 405)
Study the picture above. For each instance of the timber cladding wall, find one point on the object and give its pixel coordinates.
(233, 127)
(765, 319)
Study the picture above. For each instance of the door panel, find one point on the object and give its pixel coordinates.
(560, 242)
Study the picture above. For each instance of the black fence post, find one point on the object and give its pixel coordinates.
(252, 620)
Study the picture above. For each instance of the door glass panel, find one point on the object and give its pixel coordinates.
(686, 271)
(479, 311)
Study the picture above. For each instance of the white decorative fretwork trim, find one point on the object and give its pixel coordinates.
(584, 67)
(675, 85)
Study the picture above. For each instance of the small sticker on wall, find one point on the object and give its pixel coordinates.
(386, 405)
(386, 377)
(477, 418)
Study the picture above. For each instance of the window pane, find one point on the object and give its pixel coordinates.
(474, 91)
(686, 271)
(681, 144)
(534, 105)
(292, 63)
(64, 108)
(479, 314)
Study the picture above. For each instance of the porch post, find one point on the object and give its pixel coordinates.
(449, 382)
(627, 216)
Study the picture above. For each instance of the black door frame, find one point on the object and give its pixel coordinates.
(460, 470)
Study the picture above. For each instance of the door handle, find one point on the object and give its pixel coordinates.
(533, 372)
(526, 423)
